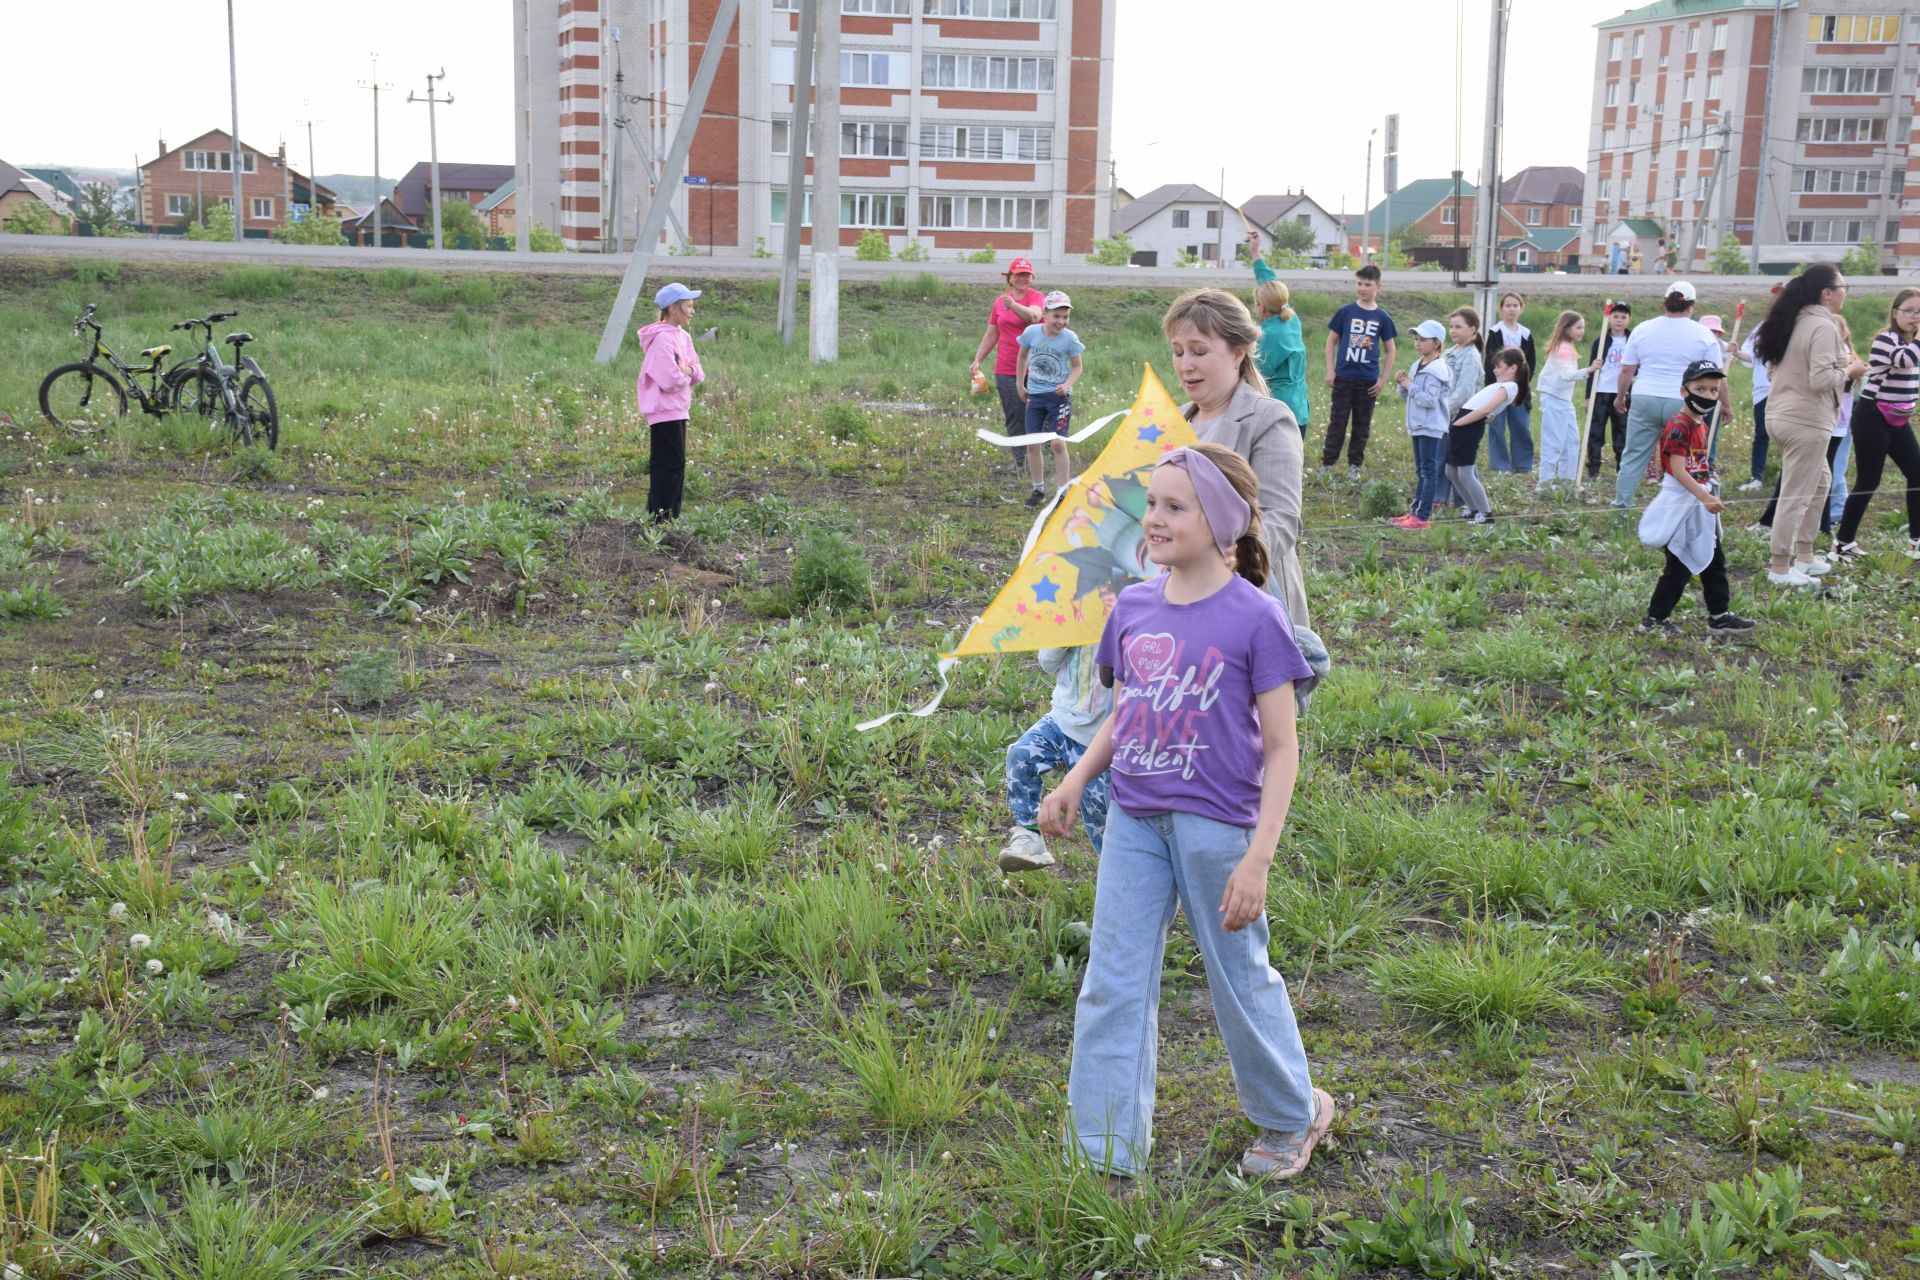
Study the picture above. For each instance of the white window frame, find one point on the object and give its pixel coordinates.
(1007, 10)
(1520, 256)
(1534, 216)
(179, 206)
(203, 161)
(1877, 81)
(1714, 84)
(257, 212)
(990, 72)
(877, 69)
(1020, 144)
(1853, 28)
(1606, 188)
(1615, 44)
(1574, 217)
(1719, 36)
(961, 212)
(1687, 86)
(1633, 93)
(1613, 93)
(1639, 44)
(1838, 128)
(1693, 38)
(1446, 214)
(1839, 182)
(1847, 231)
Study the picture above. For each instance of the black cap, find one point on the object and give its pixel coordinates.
(1623, 306)
(1703, 369)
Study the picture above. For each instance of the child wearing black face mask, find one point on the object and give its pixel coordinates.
(1683, 519)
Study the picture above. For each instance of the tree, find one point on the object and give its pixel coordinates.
(1339, 259)
(99, 206)
(1861, 260)
(1413, 236)
(1116, 251)
(1292, 233)
(1187, 258)
(315, 228)
(1729, 257)
(1281, 258)
(34, 218)
(460, 226)
(872, 247)
(543, 239)
(217, 225)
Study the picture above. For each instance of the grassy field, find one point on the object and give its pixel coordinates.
(412, 863)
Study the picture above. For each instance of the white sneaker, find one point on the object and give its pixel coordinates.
(1793, 577)
(1025, 851)
(1751, 485)
(1913, 548)
(1814, 568)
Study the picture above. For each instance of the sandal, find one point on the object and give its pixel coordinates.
(1280, 1154)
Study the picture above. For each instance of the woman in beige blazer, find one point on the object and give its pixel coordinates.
(1213, 339)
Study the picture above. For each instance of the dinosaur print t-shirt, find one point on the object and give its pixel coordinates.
(1186, 734)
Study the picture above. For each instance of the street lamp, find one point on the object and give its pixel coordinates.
(1366, 205)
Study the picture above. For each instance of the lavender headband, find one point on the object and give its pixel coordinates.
(1227, 513)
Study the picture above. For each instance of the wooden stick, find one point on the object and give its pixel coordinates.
(1720, 414)
(1593, 398)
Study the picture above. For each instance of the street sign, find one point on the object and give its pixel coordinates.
(694, 180)
(298, 211)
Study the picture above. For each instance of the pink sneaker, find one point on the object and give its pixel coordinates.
(1415, 522)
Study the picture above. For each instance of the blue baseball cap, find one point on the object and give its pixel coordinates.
(672, 293)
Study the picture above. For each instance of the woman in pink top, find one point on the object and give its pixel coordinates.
(668, 373)
(1013, 310)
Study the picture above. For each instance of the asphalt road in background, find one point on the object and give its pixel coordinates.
(665, 267)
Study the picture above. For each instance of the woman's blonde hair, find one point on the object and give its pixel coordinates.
(1273, 297)
(1221, 316)
(1250, 557)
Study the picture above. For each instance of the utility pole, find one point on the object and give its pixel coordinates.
(624, 123)
(1456, 228)
(619, 121)
(433, 145)
(1223, 215)
(676, 161)
(824, 306)
(522, 123)
(376, 86)
(312, 177)
(1389, 182)
(1366, 203)
(1487, 208)
(1766, 153)
(1707, 209)
(796, 174)
(233, 85)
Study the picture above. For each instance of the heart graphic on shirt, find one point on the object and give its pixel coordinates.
(1151, 656)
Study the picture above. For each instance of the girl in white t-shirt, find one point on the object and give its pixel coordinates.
(1508, 390)
(1559, 426)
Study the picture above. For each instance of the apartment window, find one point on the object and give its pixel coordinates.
(1719, 35)
(867, 138)
(1639, 43)
(1022, 10)
(1686, 87)
(179, 206)
(903, 8)
(216, 162)
(1606, 188)
(1893, 231)
(1826, 230)
(262, 208)
(1713, 86)
(1685, 130)
(783, 138)
(1851, 182)
(1613, 49)
(1842, 129)
(1613, 93)
(984, 142)
(1533, 215)
(857, 209)
(1573, 217)
(1875, 80)
(1693, 37)
(1213, 219)
(1633, 93)
(984, 213)
(1854, 28)
(961, 71)
(888, 70)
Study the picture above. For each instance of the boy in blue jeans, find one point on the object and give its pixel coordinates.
(1047, 368)
(1056, 742)
(1356, 369)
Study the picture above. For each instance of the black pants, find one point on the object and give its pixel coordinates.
(666, 468)
(1826, 508)
(1349, 398)
(1674, 579)
(1874, 441)
(1605, 412)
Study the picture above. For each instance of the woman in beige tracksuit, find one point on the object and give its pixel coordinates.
(1810, 364)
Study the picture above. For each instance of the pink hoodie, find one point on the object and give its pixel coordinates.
(665, 387)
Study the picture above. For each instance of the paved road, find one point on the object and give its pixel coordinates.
(1068, 274)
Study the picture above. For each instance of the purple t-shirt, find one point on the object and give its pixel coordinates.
(1186, 733)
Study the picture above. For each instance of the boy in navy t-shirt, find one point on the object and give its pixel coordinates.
(1358, 337)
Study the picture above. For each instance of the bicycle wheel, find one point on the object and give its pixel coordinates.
(82, 398)
(194, 390)
(262, 411)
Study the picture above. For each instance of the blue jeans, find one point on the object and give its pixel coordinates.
(1837, 502)
(1760, 439)
(1049, 411)
(1645, 416)
(1516, 421)
(1428, 453)
(1150, 867)
(1039, 751)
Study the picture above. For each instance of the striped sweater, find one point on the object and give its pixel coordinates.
(1893, 370)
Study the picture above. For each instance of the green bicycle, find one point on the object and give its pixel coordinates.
(238, 394)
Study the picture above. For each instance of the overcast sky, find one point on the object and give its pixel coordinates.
(1281, 94)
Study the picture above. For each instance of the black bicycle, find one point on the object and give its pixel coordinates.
(238, 393)
(85, 396)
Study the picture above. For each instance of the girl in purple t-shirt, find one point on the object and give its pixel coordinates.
(1203, 754)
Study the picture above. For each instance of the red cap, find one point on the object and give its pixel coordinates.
(1018, 265)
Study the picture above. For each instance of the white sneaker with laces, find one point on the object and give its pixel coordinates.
(1814, 568)
(1913, 548)
(1025, 851)
(1793, 577)
(1751, 485)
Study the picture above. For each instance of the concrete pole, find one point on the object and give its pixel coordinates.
(1766, 147)
(796, 174)
(233, 85)
(1366, 205)
(675, 165)
(433, 146)
(824, 306)
(1487, 208)
(1708, 210)
(375, 85)
(522, 126)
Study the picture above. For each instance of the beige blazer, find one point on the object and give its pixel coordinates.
(1264, 432)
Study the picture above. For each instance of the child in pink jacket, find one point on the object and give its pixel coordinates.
(668, 371)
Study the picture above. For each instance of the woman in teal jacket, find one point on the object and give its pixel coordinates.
(1282, 354)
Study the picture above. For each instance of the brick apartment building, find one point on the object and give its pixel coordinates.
(202, 170)
(964, 122)
(1679, 82)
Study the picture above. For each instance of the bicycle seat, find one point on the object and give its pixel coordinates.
(239, 339)
(154, 353)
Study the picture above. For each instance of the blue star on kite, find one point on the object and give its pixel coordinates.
(1046, 589)
(1151, 434)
